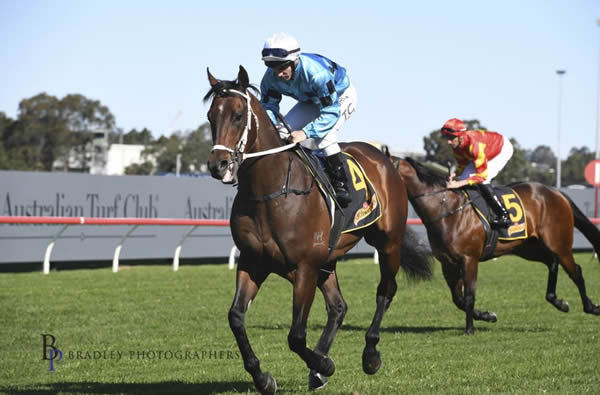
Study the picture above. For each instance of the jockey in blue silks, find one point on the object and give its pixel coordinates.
(325, 96)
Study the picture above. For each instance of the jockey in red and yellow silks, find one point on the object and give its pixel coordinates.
(480, 155)
(478, 146)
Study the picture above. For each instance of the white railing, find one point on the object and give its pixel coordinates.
(134, 222)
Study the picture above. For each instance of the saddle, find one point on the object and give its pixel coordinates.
(514, 206)
(364, 208)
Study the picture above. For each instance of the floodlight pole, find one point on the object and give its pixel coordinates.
(560, 73)
(598, 107)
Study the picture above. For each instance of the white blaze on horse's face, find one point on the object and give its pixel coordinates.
(227, 118)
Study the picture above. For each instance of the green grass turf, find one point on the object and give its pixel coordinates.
(532, 348)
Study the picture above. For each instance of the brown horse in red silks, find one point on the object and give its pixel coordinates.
(287, 233)
(457, 235)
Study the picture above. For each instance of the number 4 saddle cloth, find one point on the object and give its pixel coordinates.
(512, 202)
(364, 208)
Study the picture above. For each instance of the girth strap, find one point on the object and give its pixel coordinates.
(285, 189)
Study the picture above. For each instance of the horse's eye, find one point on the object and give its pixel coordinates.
(237, 117)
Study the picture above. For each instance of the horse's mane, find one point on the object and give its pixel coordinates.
(426, 175)
(221, 89)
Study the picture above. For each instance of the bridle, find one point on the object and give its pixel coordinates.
(238, 153)
(442, 203)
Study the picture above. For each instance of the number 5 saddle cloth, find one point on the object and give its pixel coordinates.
(514, 206)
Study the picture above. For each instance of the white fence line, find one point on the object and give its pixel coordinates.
(135, 222)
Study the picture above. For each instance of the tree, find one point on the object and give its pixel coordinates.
(572, 170)
(38, 134)
(192, 146)
(83, 116)
(437, 150)
(145, 168)
(541, 163)
(143, 137)
(166, 149)
(48, 129)
(543, 154)
(197, 148)
(5, 122)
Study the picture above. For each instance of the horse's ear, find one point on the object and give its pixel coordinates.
(213, 81)
(243, 79)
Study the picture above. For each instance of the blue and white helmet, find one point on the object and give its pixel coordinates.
(280, 48)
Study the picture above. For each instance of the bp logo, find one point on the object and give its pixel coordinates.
(50, 352)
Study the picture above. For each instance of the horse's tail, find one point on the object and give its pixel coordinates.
(417, 259)
(585, 226)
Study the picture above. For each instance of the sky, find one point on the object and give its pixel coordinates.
(415, 64)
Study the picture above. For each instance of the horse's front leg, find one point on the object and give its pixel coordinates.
(470, 267)
(304, 292)
(336, 310)
(247, 286)
(453, 277)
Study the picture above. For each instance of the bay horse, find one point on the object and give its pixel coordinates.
(287, 232)
(457, 236)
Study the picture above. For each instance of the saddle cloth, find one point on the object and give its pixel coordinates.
(514, 206)
(364, 208)
(512, 203)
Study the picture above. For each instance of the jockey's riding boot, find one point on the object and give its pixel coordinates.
(338, 179)
(502, 219)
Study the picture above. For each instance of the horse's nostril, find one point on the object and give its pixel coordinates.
(223, 164)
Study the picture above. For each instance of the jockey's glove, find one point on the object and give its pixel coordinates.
(282, 130)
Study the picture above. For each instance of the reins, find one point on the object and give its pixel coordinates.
(449, 213)
(429, 193)
(446, 214)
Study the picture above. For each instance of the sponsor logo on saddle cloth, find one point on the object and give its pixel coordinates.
(512, 203)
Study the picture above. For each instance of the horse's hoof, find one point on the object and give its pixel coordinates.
(326, 366)
(469, 331)
(592, 309)
(316, 380)
(266, 385)
(560, 305)
(489, 316)
(371, 362)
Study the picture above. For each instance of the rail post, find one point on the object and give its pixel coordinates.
(178, 249)
(50, 247)
(115, 265)
(234, 251)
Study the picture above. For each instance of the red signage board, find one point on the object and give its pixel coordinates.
(592, 172)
